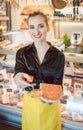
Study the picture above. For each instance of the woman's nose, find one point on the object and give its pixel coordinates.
(37, 30)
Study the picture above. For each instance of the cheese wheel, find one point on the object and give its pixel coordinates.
(51, 91)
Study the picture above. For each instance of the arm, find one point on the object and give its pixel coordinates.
(23, 80)
(21, 76)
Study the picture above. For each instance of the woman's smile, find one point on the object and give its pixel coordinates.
(39, 35)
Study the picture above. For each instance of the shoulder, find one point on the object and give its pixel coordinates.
(57, 55)
(25, 49)
(56, 51)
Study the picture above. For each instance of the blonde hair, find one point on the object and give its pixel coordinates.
(36, 13)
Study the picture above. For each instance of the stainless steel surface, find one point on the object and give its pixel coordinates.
(74, 54)
(75, 49)
(12, 116)
(69, 125)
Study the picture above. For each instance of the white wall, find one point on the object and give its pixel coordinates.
(69, 28)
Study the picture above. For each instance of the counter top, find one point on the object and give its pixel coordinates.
(74, 54)
(71, 54)
(12, 116)
(75, 49)
(7, 51)
(73, 57)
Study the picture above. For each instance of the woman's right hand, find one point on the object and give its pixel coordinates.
(23, 80)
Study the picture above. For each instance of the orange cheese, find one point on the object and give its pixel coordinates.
(51, 91)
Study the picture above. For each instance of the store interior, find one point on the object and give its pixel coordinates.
(66, 34)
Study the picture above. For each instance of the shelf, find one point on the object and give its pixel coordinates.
(71, 4)
(69, 21)
(59, 21)
(4, 18)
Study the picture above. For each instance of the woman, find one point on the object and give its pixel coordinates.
(37, 63)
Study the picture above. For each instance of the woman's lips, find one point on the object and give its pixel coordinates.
(38, 36)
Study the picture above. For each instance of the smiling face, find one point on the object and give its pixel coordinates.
(38, 28)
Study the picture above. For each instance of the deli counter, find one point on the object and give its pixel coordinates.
(11, 102)
(12, 116)
(11, 108)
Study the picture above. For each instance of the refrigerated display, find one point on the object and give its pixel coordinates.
(11, 99)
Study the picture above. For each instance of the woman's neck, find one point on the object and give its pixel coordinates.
(39, 46)
(41, 50)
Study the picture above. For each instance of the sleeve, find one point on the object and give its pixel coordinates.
(20, 63)
(58, 79)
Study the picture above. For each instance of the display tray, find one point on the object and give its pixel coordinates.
(65, 118)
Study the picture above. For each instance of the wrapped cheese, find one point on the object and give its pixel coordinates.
(5, 99)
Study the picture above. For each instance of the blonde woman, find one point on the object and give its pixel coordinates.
(37, 63)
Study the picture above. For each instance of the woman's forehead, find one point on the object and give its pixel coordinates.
(37, 18)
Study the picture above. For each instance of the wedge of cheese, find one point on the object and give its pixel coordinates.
(35, 93)
(51, 91)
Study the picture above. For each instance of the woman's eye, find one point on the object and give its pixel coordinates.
(31, 27)
(41, 26)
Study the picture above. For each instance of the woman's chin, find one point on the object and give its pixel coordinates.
(38, 40)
